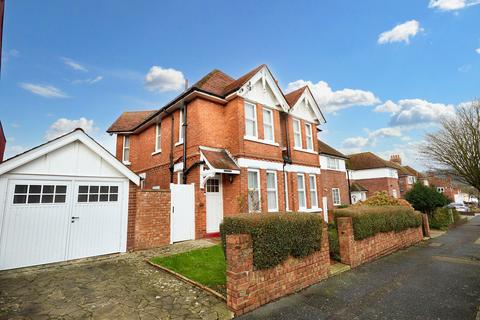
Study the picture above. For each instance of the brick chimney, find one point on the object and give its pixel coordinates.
(396, 158)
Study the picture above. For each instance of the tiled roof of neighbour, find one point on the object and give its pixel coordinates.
(214, 82)
(220, 159)
(369, 160)
(130, 120)
(355, 186)
(326, 149)
(235, 85)
(414, 172)
(292, 97)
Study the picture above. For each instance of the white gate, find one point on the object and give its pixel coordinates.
(182, 213)
(325, 208)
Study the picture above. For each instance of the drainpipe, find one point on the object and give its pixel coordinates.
(171, 167)
(286, 160)
(349, 190)
(184, 127)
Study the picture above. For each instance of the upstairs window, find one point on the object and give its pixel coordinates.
(308, 136)
(333, 163)
(440, 189)
(158, 137)
(250, 120)
(268, 125)
(181, 128)
(297, 134)
(126, 149)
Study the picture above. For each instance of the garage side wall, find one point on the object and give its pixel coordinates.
(148, 218)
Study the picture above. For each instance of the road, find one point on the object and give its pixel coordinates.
(438, 279)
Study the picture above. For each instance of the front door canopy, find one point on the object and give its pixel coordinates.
(216, 161)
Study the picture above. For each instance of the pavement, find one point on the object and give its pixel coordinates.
(437, 279)
(115, 287)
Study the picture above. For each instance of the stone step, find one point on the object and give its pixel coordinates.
(338, 268)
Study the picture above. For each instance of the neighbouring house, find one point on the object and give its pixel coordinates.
(334, 179)
(444, 184)
(407, 176)
(3, 142)
(62, 200)
(373, 173)
(244, 144)
(357, 192)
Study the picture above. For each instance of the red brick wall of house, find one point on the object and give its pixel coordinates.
(247, 288)
(380, 184)
(449, 189)
(3, 141)
(148, 218)
(334, 179)
(356, 252)
(404, 185)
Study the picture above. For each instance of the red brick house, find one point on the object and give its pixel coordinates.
(334, 179)
(407, 176)
(3, 142)
(374, 173)
(444, 184)
(244, 145)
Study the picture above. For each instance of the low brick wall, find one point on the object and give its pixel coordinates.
(247, 289)
(148, 219)
(356, 252)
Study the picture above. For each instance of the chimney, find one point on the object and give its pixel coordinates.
(186, 84)
(396, 158)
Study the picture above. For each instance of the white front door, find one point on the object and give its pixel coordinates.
(95, 223)
(214, 198)
(325, 208)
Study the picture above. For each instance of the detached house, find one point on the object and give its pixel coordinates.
(407, 176)
(444, 184)
(334, 179)
(244, 145)
(371, 174)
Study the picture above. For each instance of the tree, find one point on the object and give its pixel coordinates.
(456, 146)
(425, 199)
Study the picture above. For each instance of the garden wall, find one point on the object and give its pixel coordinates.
(247, 289)
(356, 252)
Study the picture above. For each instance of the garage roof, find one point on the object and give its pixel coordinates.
(57, 143)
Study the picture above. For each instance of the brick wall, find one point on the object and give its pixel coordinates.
(148, 219)
(247, 289)
(356, 252)
(334, 179)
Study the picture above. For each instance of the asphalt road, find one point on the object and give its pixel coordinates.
(438, 279)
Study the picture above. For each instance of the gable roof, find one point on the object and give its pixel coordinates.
(414, 172)
(369, 160)
(130, 120)
(214, 82)
(237, 84)
(57, 143)
(293, 96)
(326, 149)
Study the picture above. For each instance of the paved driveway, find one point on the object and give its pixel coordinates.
(439, 279)
(121, 287)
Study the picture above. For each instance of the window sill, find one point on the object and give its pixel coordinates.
(311, 210)
(127, 163)
(156, 152)
(304, 150)
(179, 143)
(254, 139)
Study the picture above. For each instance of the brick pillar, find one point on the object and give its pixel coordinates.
(426, 225)
(239, 266)
(346, 240)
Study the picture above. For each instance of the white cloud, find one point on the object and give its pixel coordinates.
(451, 5)
(43, 90)
(477, 50)
(162, 80)
(332, 101)
(416, 111)
(73, 64)
(400, 33)
(88, 80)
(388, 106)
(63, 125)
(371, 138)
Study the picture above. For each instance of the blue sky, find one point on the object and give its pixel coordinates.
(383, 71)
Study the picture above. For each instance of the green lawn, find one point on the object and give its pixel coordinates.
(206, 266)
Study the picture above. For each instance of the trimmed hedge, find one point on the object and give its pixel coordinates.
(368, 221)
(276, 235)
(442, 218)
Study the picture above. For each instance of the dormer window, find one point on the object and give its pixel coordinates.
(308, 136)
(268, 125)
(250, 120)
(297, 134)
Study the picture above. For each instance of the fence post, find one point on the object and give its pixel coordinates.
(426, 226)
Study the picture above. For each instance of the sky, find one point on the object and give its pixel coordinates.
(383, 72)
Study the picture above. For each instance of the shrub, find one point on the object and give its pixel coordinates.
(333, 243)
(368, 220)
(276, 235)
(442, 218)
(425, 199)
(382, 198)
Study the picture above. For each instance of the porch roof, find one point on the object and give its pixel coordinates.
(220, 160)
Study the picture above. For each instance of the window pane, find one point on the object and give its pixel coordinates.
(268, 133)
(301, 199)
(60, 198)
(21, 188)
(249, 128)
(34, 198)
(81, 189)
(48, 189)
(272, 200)
(93, 189)
(127, 141)
(93, 198)
(313, 197)
(35, 189)
(113, 197)
(312, 182)
(47, 198)
(104, 197)
(253, 201)
(249, 111)
(113, 189)
(104, 189)
(270, 180)
(81, 198)
(126, 154)
(19, 198)
(252, 180)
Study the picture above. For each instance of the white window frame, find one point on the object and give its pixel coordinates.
(297, 133)
(158, 135)
(270, 111)
(394, 193)
(275, 189)
(339, 197)
(254, 119)
(285, 185)
(259, 190)
(181, 121)
(333, 163)
(304, 192)
(440, 189)
(126, 160)
(313, 189)
(309, 136)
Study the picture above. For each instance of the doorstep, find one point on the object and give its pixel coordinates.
(337, 268)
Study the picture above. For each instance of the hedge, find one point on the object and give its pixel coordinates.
(442, 218)
(333, 243)
(368, 221)
(276, 235)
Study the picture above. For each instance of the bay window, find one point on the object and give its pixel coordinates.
(313, 191)
(253, 191)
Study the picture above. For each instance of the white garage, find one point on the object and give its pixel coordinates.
(63, 200)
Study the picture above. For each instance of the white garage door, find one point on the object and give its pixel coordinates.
(51, 221)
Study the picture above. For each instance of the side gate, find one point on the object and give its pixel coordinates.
(182, 212)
